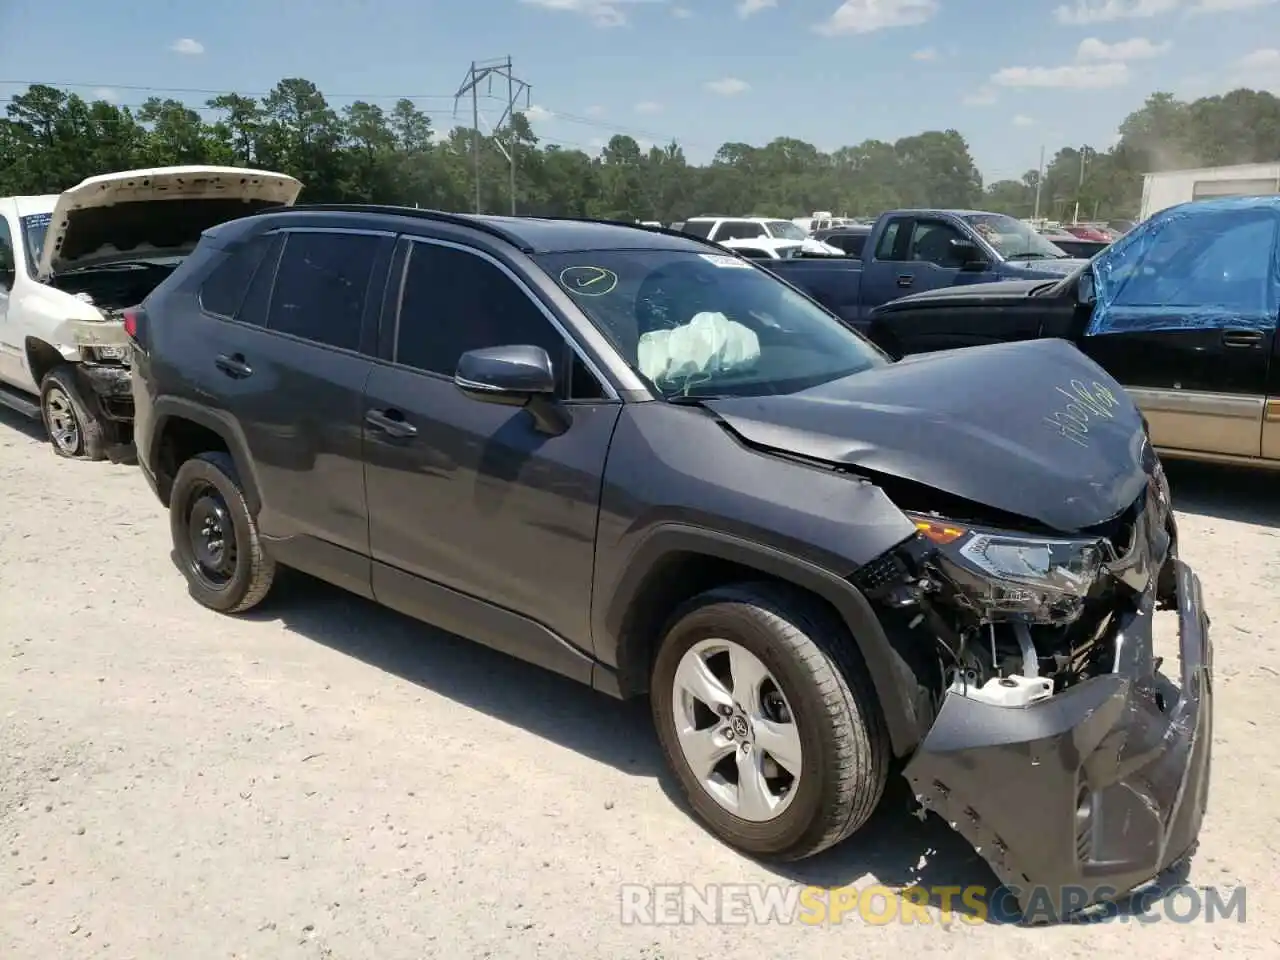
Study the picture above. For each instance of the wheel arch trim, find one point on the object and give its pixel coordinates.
(634, 653)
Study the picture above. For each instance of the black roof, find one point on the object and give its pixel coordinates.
(555, 235)
(534, 234)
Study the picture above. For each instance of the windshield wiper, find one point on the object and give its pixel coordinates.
(1029, 255)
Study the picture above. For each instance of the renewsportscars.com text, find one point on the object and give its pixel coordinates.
(677, 904)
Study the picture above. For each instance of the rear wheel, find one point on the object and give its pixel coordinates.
(215, 537)
(767, 718)
(75, 429)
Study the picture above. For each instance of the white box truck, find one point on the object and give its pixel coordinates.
(1161, 190)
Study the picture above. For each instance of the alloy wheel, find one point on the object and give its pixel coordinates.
(736, 730)
(61, 421)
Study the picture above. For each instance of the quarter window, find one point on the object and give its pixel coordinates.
(224, 289)
(321, 287)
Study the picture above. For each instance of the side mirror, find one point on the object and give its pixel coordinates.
(970, 258)
(507, 375)
(1085, 293)
(513, 376)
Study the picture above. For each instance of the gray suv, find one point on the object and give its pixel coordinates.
(636, 459)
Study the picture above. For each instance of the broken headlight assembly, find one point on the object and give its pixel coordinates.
(1002, 575)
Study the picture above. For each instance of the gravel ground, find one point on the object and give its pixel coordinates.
(326, 779)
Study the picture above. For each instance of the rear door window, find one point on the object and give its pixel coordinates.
(8, 262)
(321, 287)
(697, 228)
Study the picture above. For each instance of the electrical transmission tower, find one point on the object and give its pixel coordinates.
(486, 71)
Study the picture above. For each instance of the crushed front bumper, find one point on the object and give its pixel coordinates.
(1085, 796)
(112, 385)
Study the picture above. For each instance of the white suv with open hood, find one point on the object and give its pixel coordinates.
(72, 264)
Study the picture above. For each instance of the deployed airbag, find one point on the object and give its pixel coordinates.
(710, 343)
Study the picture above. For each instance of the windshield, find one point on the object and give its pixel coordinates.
(1013, 239)
(706, 325)
(782, 230)
(34, 228)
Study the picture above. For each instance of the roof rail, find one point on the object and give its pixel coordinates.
(664, 231)
(439, 216)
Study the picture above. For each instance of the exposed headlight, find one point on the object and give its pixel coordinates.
(1011, 576)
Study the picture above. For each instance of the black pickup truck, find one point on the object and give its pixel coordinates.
(908, 251)
(1182, 311)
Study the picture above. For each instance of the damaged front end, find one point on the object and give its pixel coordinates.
(1058, 750)
(103, 352)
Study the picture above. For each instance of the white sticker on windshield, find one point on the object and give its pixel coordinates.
(720, 260)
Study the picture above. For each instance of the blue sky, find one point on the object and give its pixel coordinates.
(1020, 74)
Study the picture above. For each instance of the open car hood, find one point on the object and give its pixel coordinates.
(153, 213)
(1033, 428)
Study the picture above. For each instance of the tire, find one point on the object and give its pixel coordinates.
(813, 662)
(207, 487)
(76, 431)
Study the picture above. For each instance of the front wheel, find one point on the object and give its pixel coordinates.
(215, 537)
(767, 717)
(75, 429)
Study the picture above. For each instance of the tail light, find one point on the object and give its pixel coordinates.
(135, 325)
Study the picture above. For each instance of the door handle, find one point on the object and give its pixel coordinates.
(1241, 338)
(905, 280)
(391, 422)
(234, 366)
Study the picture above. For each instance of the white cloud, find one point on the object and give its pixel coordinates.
(187, 46)
(1259, 70)
(983, 97)
(1228, 6)
(747, 8)
(868, 16)
(538, 114)
(681, 13)
(105, 93)
(1084, 12)
(648, 106)
(928, 53)
(1079, 76)
(728, 86)
(1139, 48)
(1021, 120)
(603, 13)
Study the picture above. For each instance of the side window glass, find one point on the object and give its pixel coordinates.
(740, 230)
(321, 285)
(257, 298)
(888, 240)
(8, 263)
(455, 301)
(224, 289)
(933, 241)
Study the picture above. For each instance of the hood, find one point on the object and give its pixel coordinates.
(814, 245)
(1033, 428)
(1046, 268)
(782, 248)
(153, 213)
